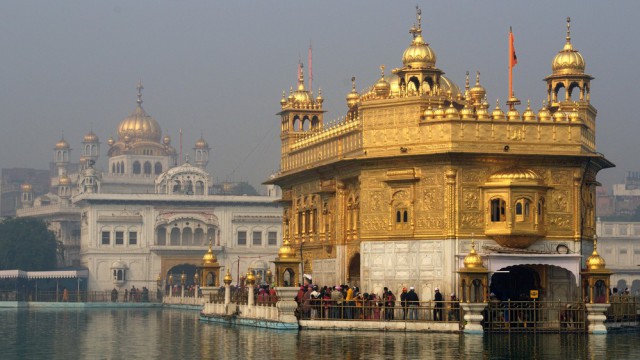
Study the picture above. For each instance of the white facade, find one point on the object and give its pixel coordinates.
(619, 245)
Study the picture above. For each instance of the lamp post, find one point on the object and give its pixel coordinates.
(196, 277)
(159, 285)
(171, 285)
(183, 279)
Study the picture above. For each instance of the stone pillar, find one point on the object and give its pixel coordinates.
(596, 317)
(286, 305)
(250, 299)
(227, 294)
(473, 317)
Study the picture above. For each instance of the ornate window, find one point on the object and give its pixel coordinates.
(272, 239)
(133, 237)
(242, 238)
(106, 237)
(147, 168)
(498, 210)
(257, 238)
(136, 167)
(523, 210)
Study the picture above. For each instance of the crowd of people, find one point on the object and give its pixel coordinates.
(133, 295)
(346, 302)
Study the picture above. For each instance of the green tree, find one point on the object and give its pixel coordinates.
(27, 244)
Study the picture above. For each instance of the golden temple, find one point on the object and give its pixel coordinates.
(393, 193)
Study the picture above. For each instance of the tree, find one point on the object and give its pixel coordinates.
(27, 244)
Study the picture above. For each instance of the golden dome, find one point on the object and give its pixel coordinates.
(319, 98)
(477, 92)
(382, 88)
(353, 97)
(497, 113)
(251, 279)
(595, 261)
(428, 114)
(452, 113)
(473, 259)
(139, 125)
(559, 116)
(513, 114)
(62, 144)
(467, 113)
(419, 54)
(64, 180)
(26, 187)
(449, 87)
(544, 114)
(482, 112)
(438, 114)
(568, 60)
(91, 137)
(528, 114)
(283, 100)
(209, 258)
(515, 174)
(227, 278)
(201, 144)
(286, 251)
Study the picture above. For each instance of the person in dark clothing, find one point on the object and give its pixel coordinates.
(437, 312)
(413, 301)
(403, 303)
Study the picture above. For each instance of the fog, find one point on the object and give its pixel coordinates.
(219, 67)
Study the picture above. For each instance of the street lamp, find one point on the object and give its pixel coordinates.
(170, 284)
(196, 277)
(183, 280)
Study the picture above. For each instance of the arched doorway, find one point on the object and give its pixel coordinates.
(353, 275)
(514, 283)
(177, 271)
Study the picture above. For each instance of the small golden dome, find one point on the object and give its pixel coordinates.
(62, 144)
(428, 114)
(467, 113)
(283, 100)
(452, 113)
(286, 251)
(559, 116)
(227, 278)
(209, 258)
(528, 114)
(515, 174)
(544, 114)
(497, 113)
(26, 187)
(201, 144)
(513, 114)
(382, 88)
(595, 261)
(438, 114)
(473, 259)
(91, 137)
(319, 98)
(251, 279)
(449, 87)
(477, 92)
(568, 60)
(419, 54)
(574, 116)
(64, 180)
(352, 97)
(110, 142)
(482, 112)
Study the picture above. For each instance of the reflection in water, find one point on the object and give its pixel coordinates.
(173, 334)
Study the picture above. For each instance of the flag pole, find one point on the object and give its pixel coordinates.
(512, 101)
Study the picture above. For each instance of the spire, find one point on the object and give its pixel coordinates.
(139, 88)
(417, 30)
(568, 29)
(382, 71)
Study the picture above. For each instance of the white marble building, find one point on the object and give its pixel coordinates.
(146, 216)
(619, 245)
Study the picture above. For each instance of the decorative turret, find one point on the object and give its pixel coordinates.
(61, 155)
(473, 277)
(596, 277)
(90, 149)
(209, 270)
(27, 195)
(201, 150)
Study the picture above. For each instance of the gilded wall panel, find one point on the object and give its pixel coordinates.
(430, 222)
(473, 175)
(559, 200)
(562, 177)
(471, 198)
(472, 220)
(374, 223)
(559, 222)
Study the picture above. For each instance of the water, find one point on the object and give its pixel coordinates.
(178, 334)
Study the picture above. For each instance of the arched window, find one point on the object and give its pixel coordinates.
(498, 210)
(176, 187)
(122, 167)
(113, 168)
(198, 237)
(158, 168)
(523, 210)
(147, 168)
(175, 236)
(161, 236)
(199, 188)
(136, 167)
(189, 188)
(187, 236)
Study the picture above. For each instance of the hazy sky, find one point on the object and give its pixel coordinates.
(220, 66)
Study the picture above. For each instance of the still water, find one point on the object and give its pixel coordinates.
(178, 334)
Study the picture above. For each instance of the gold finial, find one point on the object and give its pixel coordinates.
(139, 88)
(595, 241)
(568, 29)
(419, 17)
(477, 78)
(382, 71)
(353, 83)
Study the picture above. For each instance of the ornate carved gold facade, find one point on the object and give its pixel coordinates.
(416, 158)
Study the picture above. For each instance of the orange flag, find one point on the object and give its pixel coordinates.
(513, 59)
